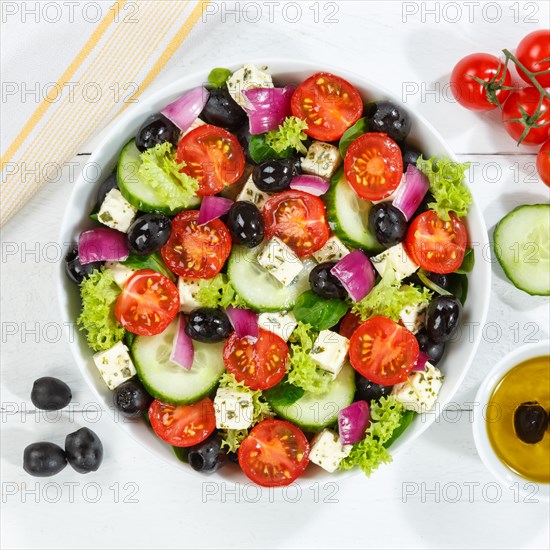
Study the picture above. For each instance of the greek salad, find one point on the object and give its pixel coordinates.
(273, 275)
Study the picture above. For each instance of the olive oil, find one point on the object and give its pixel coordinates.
(527, 382)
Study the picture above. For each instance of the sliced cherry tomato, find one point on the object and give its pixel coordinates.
(298, 219)
(534, 53)
(259, 363)
(329, 104)
(274, 454)
(196, 251)
(183, 425)
(213, 156)
(436, 245)
(469, 92)
(373, 166)
(349, 324)
(383, 351)
(148, 304)
(526, 99)
(543, 163)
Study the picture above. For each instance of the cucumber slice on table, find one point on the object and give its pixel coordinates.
(167, 381)
(314, 412)
(348, 215)
(135, 190)
(522, 247)
(258, 288)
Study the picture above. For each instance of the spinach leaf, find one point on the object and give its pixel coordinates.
(467, 262)
(406, 419)
(218, 77)
(259, 150)
(351, 134)
(182, 453)
(319, 313)
(459, 286)
(153, 261)
(283, 394)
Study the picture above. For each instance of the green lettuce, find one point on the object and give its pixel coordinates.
(290, 134)
(218, 77)
(304, 372)
(370, 452)
(218, 292)
(99, 293)
(446, 179)
(160, 170)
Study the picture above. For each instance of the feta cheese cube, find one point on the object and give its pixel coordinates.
(198, 122)
(252, 194)
(234, 409)
(322, 159)
(421, 389)
(282, 324)
(188, 290)
(397, 259)
(333, 251)
(244, 79)
(327, 451)
(116, 212)
(280, 260)
(115, 365)
(413, 317)
(329, 351)
(121, 273)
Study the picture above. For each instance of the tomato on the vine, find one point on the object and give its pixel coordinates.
(543, 163)
(534, 54)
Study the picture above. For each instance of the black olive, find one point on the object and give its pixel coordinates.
(324, 283)
(410, 155)
(272, 176)
(440, 279)
(131, 398)
(43, 459)
(222, 110)
(369, 391)
(245, 223)
(149, 233)
(75, 270)
(388, 118)
(423, 206)
(443, 318)
(50, 394)
(434, 350)
(530, 422)
(387, 223)
(207, 456)
(243, 135)
(108, 185)
(209, 325)
(84, 450)
(157, 129)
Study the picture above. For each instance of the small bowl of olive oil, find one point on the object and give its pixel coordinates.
(511, 421)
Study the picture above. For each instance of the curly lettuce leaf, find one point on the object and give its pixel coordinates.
(289, 135)
(446, 179)
(160, 170)
(99, 293)
(218, 292)
(370, 452)
(232, 439)
(304, 372)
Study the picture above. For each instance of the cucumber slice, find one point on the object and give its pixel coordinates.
(135, 190)
(348, 215)
(167, 381)
(522, 247)
(258, 288)
(314, 412)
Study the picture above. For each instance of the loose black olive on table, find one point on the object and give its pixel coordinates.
(434, 350)
(273, 176)
(43, 459)
(75, 270)
(84, 450)
(222, 110)
(324, 283)
(149, 233)
(410, 155)
(388, 224)
(443, 318)
(157, 129)
(207, 456)
(369, 391)
(245, 223)
(50, 394)
(131, 398)
(530, 422)
(209, 325)
(388, 118)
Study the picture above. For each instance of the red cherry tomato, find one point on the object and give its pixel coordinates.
(531, 52)
(349, 324)
(543, 163)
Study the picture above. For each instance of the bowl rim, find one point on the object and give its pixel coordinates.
(504, 475)
(276, 65)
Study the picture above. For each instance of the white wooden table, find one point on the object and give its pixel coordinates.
(437, 494)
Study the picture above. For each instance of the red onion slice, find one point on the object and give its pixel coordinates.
(185, 110)
(244, 321)
(267, 107)
(411, 191)
(102, 244)
(353, 421)
(213, 207)
(356, 274)
(421, 362)
(314, 185)
(183, 352)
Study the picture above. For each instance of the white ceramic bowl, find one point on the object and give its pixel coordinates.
(484, 448)
(458, 356)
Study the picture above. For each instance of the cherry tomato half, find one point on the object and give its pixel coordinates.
(196, 251)
(329, 104)
(183, 425)
(543, 163)
(531, 52)
(274, 454)
(213, 156)
(148, 304)
(383, 351)
(436, 245)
